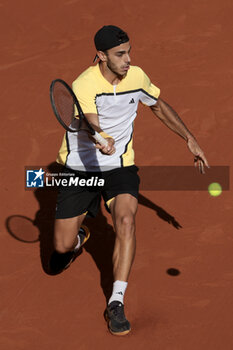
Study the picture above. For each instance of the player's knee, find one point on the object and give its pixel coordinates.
(61, 247)
(127, 220)
(126, 226)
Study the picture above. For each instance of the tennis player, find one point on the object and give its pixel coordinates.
(109, 93)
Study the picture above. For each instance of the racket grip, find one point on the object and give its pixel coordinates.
(100, 139)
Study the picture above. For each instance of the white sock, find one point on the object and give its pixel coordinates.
(80, 239)
(78, 244)
(118, 292)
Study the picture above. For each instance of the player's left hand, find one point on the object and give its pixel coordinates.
(200, 160)
(110, 149)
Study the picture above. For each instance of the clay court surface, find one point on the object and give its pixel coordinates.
(186, 49)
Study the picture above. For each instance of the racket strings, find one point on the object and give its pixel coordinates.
(64, 104)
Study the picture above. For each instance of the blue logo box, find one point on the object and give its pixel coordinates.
(35, 178)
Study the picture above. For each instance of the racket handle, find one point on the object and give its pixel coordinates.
(100, 139)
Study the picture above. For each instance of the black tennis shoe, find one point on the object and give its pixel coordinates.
(115, 317)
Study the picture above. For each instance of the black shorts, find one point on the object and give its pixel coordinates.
(76, 200)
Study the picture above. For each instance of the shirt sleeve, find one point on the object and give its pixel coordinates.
(149, 92)
(86, 95)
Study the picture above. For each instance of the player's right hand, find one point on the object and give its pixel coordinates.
(200, 160)
(108, 150)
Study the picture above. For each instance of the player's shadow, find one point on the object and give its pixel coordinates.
(100, 246)
(101, 243)
(161, 213)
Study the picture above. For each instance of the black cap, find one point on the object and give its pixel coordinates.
(108, 37)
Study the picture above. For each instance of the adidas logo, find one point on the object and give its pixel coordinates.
(132, 101)
(119, 293)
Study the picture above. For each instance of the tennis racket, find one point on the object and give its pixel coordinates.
(69, 112)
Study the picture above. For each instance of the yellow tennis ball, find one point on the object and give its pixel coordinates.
(215, 189)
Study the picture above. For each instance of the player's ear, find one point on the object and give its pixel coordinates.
(102, 56)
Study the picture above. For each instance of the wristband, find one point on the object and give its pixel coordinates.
(104, 135)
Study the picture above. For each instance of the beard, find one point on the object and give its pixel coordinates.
(113, 68)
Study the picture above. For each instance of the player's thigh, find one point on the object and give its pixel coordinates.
(65, 230)
(121, 190)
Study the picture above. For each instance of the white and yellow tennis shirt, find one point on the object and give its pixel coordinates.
(116, 106)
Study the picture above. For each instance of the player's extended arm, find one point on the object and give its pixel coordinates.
(94, 121)
(171, 119)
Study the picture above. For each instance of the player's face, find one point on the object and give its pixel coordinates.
(118, 59)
